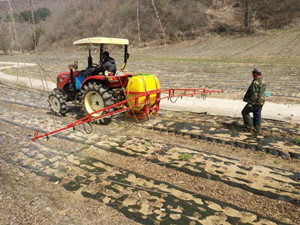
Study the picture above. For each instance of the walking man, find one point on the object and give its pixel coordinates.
(255, 98)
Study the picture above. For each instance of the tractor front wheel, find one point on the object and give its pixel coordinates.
(95, 97)
(57, 101)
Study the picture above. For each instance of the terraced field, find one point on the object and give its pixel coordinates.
(177, 168)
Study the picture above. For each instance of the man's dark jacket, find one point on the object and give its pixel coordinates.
(255, 94)
(110, 64)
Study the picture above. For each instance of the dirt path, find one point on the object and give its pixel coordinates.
(40, 84)
(227, 107)
(215, 106)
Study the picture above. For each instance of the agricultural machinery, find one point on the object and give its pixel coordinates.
(102, 93)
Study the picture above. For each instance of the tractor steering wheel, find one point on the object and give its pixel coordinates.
(95, 64)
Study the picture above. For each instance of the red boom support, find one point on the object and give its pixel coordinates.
(124, 106)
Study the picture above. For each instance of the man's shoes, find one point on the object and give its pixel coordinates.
(248, 129)
(257, 131)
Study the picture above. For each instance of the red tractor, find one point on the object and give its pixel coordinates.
(105, 93)
(96, 91)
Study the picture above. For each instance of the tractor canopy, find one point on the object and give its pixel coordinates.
(101, 41)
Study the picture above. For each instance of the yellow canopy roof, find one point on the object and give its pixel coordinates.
(101, 40)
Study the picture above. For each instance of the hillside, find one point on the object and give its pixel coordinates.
(273, 44)
(177, 154)
(20, 5)
(143, 22)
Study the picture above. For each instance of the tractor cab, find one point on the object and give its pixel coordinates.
(100, 42)
(73, 85)
(72, 81)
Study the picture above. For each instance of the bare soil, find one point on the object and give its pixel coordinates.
(49, 171)
(30, 199)
(126, 173)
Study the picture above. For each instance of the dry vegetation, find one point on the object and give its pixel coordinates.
(160, 171)
(143, 22)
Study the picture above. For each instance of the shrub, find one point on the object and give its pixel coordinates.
(296, 140)
(26, 16)
(42, 13)
(185, 157)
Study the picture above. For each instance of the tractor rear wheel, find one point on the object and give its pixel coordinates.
(96, 96)
(58, 102)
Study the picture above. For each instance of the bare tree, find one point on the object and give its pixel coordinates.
(15, 36)
(247, 17)
(33, 27)
(276, 13)
(138, 21)
(161, 26)
(5, 36)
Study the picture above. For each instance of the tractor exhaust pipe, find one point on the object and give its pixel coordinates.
(90, 59)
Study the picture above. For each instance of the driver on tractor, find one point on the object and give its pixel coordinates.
(108, 64)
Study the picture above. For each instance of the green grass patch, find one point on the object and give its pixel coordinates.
(152, 142)
(185, 157)
(283, 30)
(277, 60)
(262, 154)
(147, 144)
(22, 84)
(296, 140)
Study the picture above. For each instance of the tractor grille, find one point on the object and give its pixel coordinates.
(57, 81)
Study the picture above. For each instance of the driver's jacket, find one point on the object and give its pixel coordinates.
(110, 66)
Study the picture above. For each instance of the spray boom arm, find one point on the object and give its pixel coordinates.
(124, 106)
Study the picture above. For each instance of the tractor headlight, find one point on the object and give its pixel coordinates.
(58, 80)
